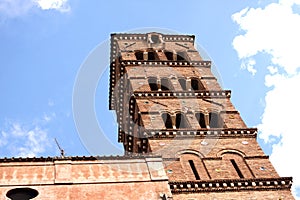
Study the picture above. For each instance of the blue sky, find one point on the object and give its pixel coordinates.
(45, 43)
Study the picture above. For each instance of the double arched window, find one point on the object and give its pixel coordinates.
(192, 84)
(162, 84)
(178, 56)
(147, 55)
(214, 120)
(179, 121)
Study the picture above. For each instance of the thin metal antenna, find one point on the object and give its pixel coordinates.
(62, 152)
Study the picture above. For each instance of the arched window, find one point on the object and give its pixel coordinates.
(201, 119)
(167, 120)
(196, 84)
(169, 55)
(181, 56)
(151, 55)
(193, 166)
(139, 55)
(214, 120)
(236, 166)
(165, 84)
(182, 83)
(181, 121)
(152, 81)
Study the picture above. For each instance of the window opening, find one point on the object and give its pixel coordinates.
(180, 56)
(22, 193)
(182, 83)
(201, 120)
(139, 55)
(153, 83)
(191, 162)
(169, 55)
(196, 84)
(236, 168)
(165, 84)
(181, 121)
(151, 55)
(214, 120)
(167, 120)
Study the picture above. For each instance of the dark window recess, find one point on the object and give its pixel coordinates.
(181, 121)
(180, 56)
(165, 84)
(153, 83)
(236, 168)
(139, 55)
(22, 193)
(182, 83)
(169, 55)
(214, 120)
(191, 162)
(196, 84)
(151, 55)
(167, 120)
(201, 120)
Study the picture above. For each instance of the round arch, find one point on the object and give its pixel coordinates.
(189, 151)
(230, 151)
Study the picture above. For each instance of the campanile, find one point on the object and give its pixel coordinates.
(168, 103)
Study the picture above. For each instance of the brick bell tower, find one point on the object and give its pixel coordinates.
(169, 103)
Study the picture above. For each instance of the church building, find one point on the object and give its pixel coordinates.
(183, 139)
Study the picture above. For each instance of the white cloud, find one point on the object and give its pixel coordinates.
(16, 8)
(273, 31)
(61, 5)
(272, 69)
(249, 65)
(24, 140)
